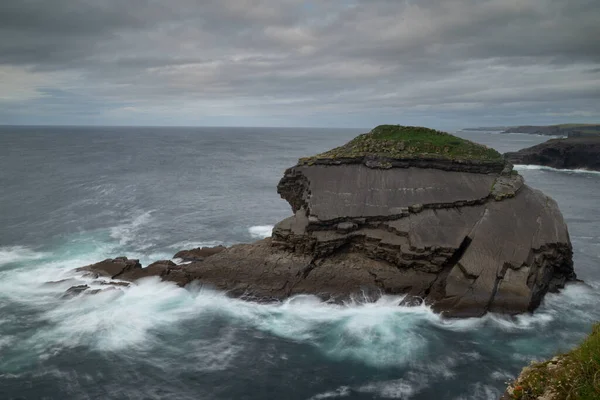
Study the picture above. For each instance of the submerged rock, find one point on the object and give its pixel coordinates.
(75, 291)
(570, 153)
(400, 210)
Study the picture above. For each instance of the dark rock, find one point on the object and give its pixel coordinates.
(571, 153)
(75, 291)
(85, 289)
(112, 283)
(112, 268)
(198, 254)
(167, 263)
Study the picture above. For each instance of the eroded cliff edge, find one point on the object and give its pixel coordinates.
(400, 210)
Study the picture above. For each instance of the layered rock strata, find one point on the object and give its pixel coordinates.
(465, 235)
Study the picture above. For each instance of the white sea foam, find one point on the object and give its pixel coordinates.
(342, 391)
(260, 231)
(397, 389)
(190, 244)
(15, 254)
(380, 333)
(479, 391)
(127, 232)
(521, 167)
(6, 341)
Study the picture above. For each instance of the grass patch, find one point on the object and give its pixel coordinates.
(409, 142)
(574, 375)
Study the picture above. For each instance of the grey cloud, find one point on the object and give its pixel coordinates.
(291, 57)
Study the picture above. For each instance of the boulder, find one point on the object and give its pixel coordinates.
(75, 291)
(112, 267)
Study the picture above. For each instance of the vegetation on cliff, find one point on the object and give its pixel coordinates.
(409, 142)
(574, 375)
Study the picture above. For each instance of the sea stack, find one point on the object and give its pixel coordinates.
(404, 210)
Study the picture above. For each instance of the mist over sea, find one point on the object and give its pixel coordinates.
(72, 196)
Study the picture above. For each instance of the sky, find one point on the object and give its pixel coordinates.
(327, 63)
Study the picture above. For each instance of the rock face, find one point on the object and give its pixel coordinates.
(571, 153)
(419, 216)
(199, 253)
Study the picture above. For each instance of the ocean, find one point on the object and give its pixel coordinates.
(71, 196)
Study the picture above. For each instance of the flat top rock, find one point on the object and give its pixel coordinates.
(409, 142)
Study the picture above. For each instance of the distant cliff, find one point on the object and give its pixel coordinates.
(570, 130)
(570, 153)
(557, 130)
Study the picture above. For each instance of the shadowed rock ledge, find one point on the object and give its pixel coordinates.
(400, 210)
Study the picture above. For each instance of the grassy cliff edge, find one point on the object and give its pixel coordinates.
(574, 375)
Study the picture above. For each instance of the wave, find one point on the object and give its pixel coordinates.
(260, 231)
(342, 391)
(380, 334)
(16, 254)
(190, 244)
(524, 167)
(127, 232)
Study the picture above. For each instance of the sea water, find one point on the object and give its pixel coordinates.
(72, 196)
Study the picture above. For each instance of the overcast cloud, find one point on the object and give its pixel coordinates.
(441, 63)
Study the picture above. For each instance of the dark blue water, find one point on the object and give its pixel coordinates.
(73, 196)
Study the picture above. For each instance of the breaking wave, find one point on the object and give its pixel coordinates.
(544, 168)
(260, 231)
(152, 315)
(129, 231)
(16, 254)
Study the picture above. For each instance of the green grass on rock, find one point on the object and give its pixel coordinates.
(409, 142)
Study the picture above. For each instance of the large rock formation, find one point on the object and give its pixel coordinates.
(400, 211)
(570, 153)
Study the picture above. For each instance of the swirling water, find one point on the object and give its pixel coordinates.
(72, 196)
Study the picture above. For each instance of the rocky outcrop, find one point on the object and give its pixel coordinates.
(113, 268)
(435, 217)
(466, 242)
(124, 269)
(198, 254)
(571, 153)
